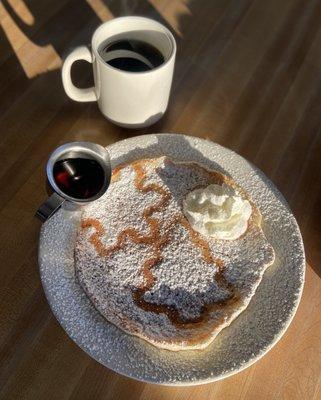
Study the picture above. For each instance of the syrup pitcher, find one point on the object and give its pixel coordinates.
(77, 172)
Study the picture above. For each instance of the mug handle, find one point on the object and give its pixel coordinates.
(88, 94)
(49, 207)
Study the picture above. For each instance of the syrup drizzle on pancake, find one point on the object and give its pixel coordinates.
(157, 241)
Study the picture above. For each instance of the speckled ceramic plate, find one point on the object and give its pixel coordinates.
(246, 340)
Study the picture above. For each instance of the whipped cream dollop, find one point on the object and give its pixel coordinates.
(217, 211)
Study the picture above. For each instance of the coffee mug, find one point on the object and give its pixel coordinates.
(128, 99)
(77, 172)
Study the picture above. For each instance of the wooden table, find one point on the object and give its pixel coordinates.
(248, 77)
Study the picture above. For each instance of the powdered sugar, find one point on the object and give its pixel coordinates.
(183, 279)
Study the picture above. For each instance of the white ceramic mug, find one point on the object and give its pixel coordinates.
(129, 99)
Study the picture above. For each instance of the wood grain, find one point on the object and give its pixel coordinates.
(248, 77)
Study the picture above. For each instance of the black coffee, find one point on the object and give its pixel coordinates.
(135, 55)
(80, 178)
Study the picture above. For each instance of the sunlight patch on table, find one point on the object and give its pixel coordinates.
(173, 12)
(34, 59)
(101, 10)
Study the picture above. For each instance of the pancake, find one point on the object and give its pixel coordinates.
(148, 272)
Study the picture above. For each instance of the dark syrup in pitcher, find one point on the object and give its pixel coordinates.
(80, 178)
